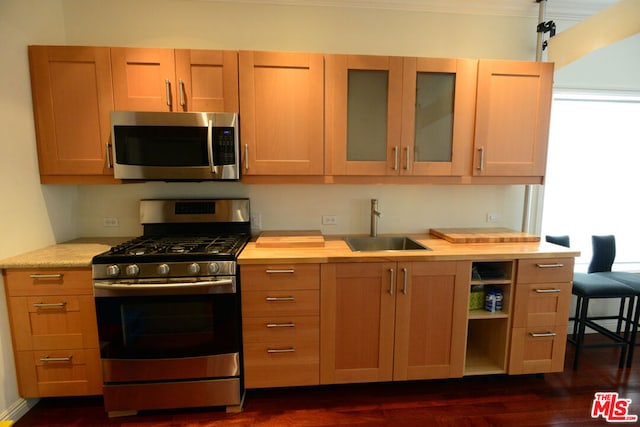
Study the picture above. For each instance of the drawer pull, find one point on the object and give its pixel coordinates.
(554, 265)
(547, 291)
(281, 325)
(56, 359)
(281, 350)
(46, 276)
(272, 271)
(275, 299)
(543, 334)
(50, 304)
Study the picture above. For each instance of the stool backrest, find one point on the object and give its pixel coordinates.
(604, 253)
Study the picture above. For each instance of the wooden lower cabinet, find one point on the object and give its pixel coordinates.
(281, 325)
(541, 315)
(392, 321)
(54, 331)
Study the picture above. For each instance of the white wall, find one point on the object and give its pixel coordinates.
(32, 215)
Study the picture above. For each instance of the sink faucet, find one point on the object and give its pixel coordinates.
(375, 214)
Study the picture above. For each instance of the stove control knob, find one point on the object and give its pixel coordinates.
(214, 268)
(163, 269)
(132, 270)
(113, 270)
(193, 268)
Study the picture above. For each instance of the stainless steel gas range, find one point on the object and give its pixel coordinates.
(168, 308)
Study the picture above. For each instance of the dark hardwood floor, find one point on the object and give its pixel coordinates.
(559, 399)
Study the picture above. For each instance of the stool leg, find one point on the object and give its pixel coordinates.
(579, 339)
(621, 315)
(634, 330)
(627, 328)
(576, 317)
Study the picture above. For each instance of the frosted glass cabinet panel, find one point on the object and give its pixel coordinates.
(434, 117)
(367, 115)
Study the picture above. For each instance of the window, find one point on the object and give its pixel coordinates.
(593, 174)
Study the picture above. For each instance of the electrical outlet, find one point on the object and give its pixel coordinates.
(493, 217)
(110, 221)
(329, 220)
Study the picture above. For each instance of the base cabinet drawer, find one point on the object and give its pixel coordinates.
(281, 351)
(538, 349)
(281, 364)
(74, 372)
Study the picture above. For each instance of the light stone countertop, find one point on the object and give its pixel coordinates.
(74, 253)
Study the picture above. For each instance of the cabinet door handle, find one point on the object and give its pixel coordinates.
(404, 281)
(108, 156)
(392, 280)
(52, 304)
(281, 325)
(56, 359)
(554, 265)
(547, 291)
(480, 159)
(406, 158)
(167, 87)
(246, 157)
(182, 97)
(47, 276)
(395, 158)
(276, 271)
(542, 335)
(281, 350)
(276, 299)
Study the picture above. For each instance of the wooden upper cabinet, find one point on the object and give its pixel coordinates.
(363, 114)
(438, 108)
(72, 97)
(144, 79)
(207, 80)
(175, 80)
(281, 110)
(512, 118)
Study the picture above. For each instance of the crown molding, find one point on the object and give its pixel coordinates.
(555, 9)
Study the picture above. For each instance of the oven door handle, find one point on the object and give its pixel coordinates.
(156, 286)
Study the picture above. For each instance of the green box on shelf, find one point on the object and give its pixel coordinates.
(476, 299)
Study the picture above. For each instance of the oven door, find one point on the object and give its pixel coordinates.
(169, 320)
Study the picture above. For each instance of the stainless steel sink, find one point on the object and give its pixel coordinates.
(370, 244)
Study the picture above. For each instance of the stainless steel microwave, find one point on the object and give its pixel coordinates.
(163, 146)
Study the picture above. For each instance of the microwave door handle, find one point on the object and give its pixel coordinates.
(210, 145)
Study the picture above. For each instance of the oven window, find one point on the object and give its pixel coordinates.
(170, 146)
(168, 326)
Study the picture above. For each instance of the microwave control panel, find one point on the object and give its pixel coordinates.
(224, 146)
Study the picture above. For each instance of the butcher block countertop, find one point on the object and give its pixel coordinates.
(74, 253)
(336, 250)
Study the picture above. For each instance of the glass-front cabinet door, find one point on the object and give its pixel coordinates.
(363, 114)
(438, 107)
(391, 116)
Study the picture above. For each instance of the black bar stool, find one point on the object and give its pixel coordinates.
(588, 286)
(604, 250)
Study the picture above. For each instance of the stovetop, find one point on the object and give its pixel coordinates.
(175, 248)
